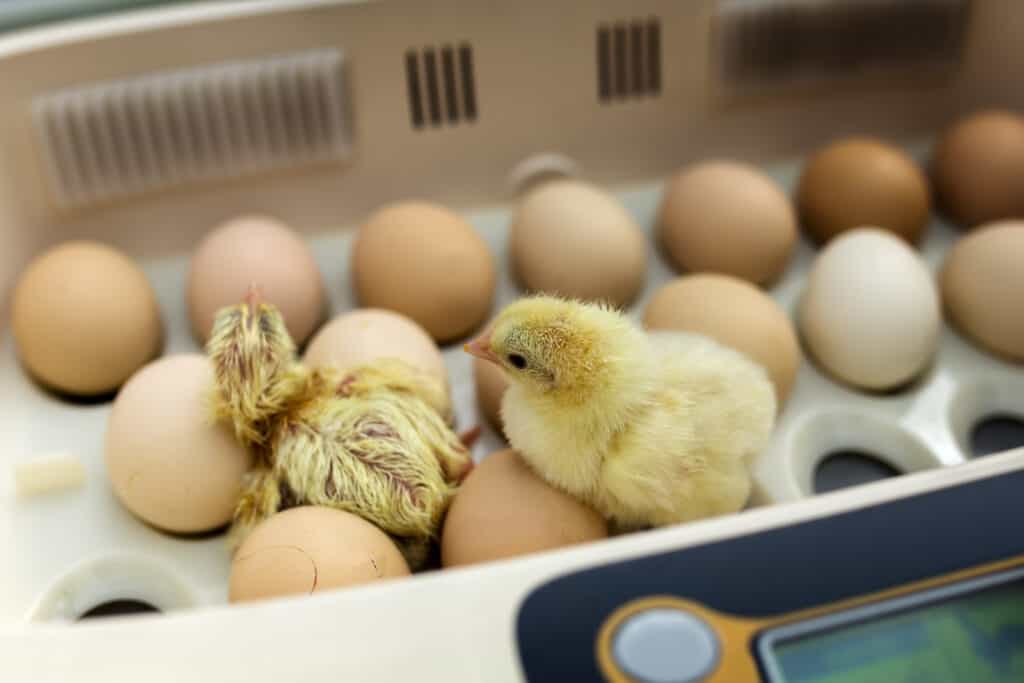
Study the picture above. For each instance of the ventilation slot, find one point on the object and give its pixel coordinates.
(121, 138)
(794, 40)
(440, 85)
(628, 60)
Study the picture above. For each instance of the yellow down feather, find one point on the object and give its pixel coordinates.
(369, 440)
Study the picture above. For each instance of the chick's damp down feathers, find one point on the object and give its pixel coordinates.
(370, 440)
(650, 429)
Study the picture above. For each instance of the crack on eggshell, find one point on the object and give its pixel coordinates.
(316, 571)
(312, 562)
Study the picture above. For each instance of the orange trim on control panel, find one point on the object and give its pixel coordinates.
(737, 662)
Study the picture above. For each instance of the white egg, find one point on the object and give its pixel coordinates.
(870, 313)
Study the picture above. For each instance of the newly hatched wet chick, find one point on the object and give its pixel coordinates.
(370, 441)
(649, 429)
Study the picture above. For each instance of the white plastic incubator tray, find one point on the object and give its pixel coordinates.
(104, 553)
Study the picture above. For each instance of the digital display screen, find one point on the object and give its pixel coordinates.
(975, 637)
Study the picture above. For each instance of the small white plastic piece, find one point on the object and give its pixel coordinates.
(48, 473)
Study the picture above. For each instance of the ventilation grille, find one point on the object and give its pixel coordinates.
(794, 40)
(441, 86)
(114, 139)
(628, 60)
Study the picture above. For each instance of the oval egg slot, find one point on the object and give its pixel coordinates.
(840, 448)
(119, 608)
(844, 468)
(995, 434)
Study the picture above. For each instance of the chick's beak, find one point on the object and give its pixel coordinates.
(481, 347)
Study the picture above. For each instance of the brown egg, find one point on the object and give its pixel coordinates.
(167, 464)
(859, 181)
(504, 510)
(573, 239)
(978, 168)
(310, 549)
(735, 314)
(982, 282)
(426, 262)
(727, 217)
(490, 383)
(85, 317)
(255, 250)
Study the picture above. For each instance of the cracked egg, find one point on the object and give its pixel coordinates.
(310, 549)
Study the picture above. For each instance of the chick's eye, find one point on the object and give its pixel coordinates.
(517, 361)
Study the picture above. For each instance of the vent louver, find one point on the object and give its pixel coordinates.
(784, 41)
(441, 86)
(628, 60)
(120, 138)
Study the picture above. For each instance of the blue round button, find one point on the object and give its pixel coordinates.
(665, 645)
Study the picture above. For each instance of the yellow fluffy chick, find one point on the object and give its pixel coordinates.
(370, 441)
(649, 429)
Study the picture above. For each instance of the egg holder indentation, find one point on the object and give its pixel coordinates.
(829, 431)
(980, 398)
(114, 577)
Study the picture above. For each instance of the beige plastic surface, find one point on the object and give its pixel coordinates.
(536, 93)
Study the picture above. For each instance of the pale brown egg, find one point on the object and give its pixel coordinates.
(859, 181)
(261, 251)
(426, 262)
(85, 317)
(982, 282)
(490, 383)
(978, 168)
(870, 311)
(503, 509)
(166, 462)
(306, 550)
(727, 217)
(366, 334)
(734, 313)
(573, 239)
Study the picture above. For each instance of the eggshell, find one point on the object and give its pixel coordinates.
(734, 313)
(84, 318)
(571, 238)
(166, 462)
(256, 250)
(727, 217)
(490, 383)
(982, 284)
(426, 262)
(860, 181)
(504, 510)
(870, 312)
(978, 168)
(309, 549)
